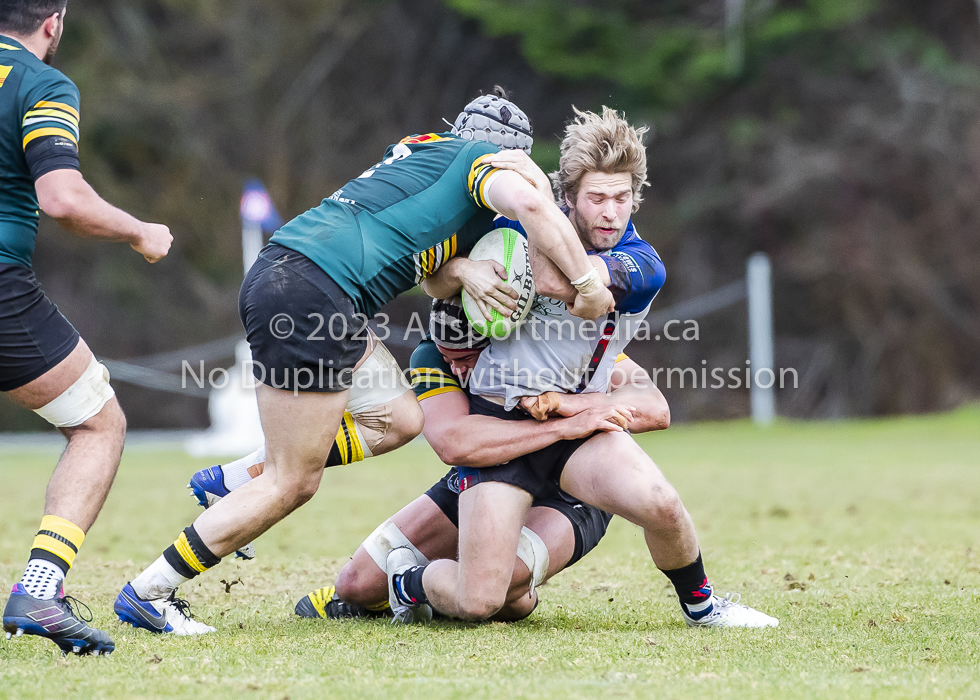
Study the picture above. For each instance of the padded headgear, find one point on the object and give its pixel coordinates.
(449, 327)
(496, 119)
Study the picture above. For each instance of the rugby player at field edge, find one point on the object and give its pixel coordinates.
(601, 173)
(432, 196)
(44, 365)
(559, 529)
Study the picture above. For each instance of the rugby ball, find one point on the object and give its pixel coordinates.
(509, 248)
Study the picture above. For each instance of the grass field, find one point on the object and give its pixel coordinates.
(863, 538)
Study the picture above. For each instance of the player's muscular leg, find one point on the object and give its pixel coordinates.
(385, 428)
(610, 471)
(382, 403)
(392, 424)
(299, 431)
(557, 533)
(490, 519)
(80, 483)
(361, 581)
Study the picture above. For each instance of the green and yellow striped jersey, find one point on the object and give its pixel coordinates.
(36, 101)
(389, 228)
(431, 375)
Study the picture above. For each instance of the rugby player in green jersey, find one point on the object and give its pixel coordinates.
(305, 305)
(44, 365)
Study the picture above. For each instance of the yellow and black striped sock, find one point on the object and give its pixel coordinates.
(348, 447)
(57, 541)
(189, 556)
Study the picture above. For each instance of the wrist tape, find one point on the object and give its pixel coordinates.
(588, 284)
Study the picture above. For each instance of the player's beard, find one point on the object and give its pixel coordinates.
(53, 48)
(585, 230)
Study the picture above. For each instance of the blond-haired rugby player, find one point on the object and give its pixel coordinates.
(562, 365)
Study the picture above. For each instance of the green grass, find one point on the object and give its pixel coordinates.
(862, 537)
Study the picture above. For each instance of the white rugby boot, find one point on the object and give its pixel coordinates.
(728, 612)
(400, 560)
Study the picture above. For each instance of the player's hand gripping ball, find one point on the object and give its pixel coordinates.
(509, 248)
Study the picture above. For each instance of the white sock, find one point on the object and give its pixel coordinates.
(236, 473)
(159, 580)
(42, 579)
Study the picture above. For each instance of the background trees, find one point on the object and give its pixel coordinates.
(840, 137)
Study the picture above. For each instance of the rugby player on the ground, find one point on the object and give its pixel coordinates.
(44, 365)
(306, 301)
(602, 171)
(559, 530)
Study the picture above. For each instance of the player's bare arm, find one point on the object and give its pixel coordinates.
(466, 440)
(550, 282)
(521, 163)
(629, 385)
(66, 197)
(555, 237)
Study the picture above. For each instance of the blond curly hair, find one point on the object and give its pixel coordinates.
(603, 143)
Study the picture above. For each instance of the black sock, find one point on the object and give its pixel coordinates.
(690, 582)
(408, 587)
(189, 556)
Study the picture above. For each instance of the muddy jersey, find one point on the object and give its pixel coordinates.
(552, 350)
(399, 221)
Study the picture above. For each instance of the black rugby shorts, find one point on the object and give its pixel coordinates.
(34, 335)
(300, 325)
(588, 522)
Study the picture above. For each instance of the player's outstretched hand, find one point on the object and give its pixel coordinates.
(592, 306)
(486, 283)
(608, 419)
(154, 243)
(521, 163)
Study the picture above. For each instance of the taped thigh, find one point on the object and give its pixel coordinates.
(534, 553)
(385, 538)
(376, 382)
(82, 400)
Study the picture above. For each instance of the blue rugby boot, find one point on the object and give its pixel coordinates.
(208, 487)
(167, 615)
(57, 619)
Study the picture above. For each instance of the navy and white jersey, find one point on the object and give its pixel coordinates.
(552, 349)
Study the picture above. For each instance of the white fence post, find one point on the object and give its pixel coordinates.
(761, 354)
(251, 243)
